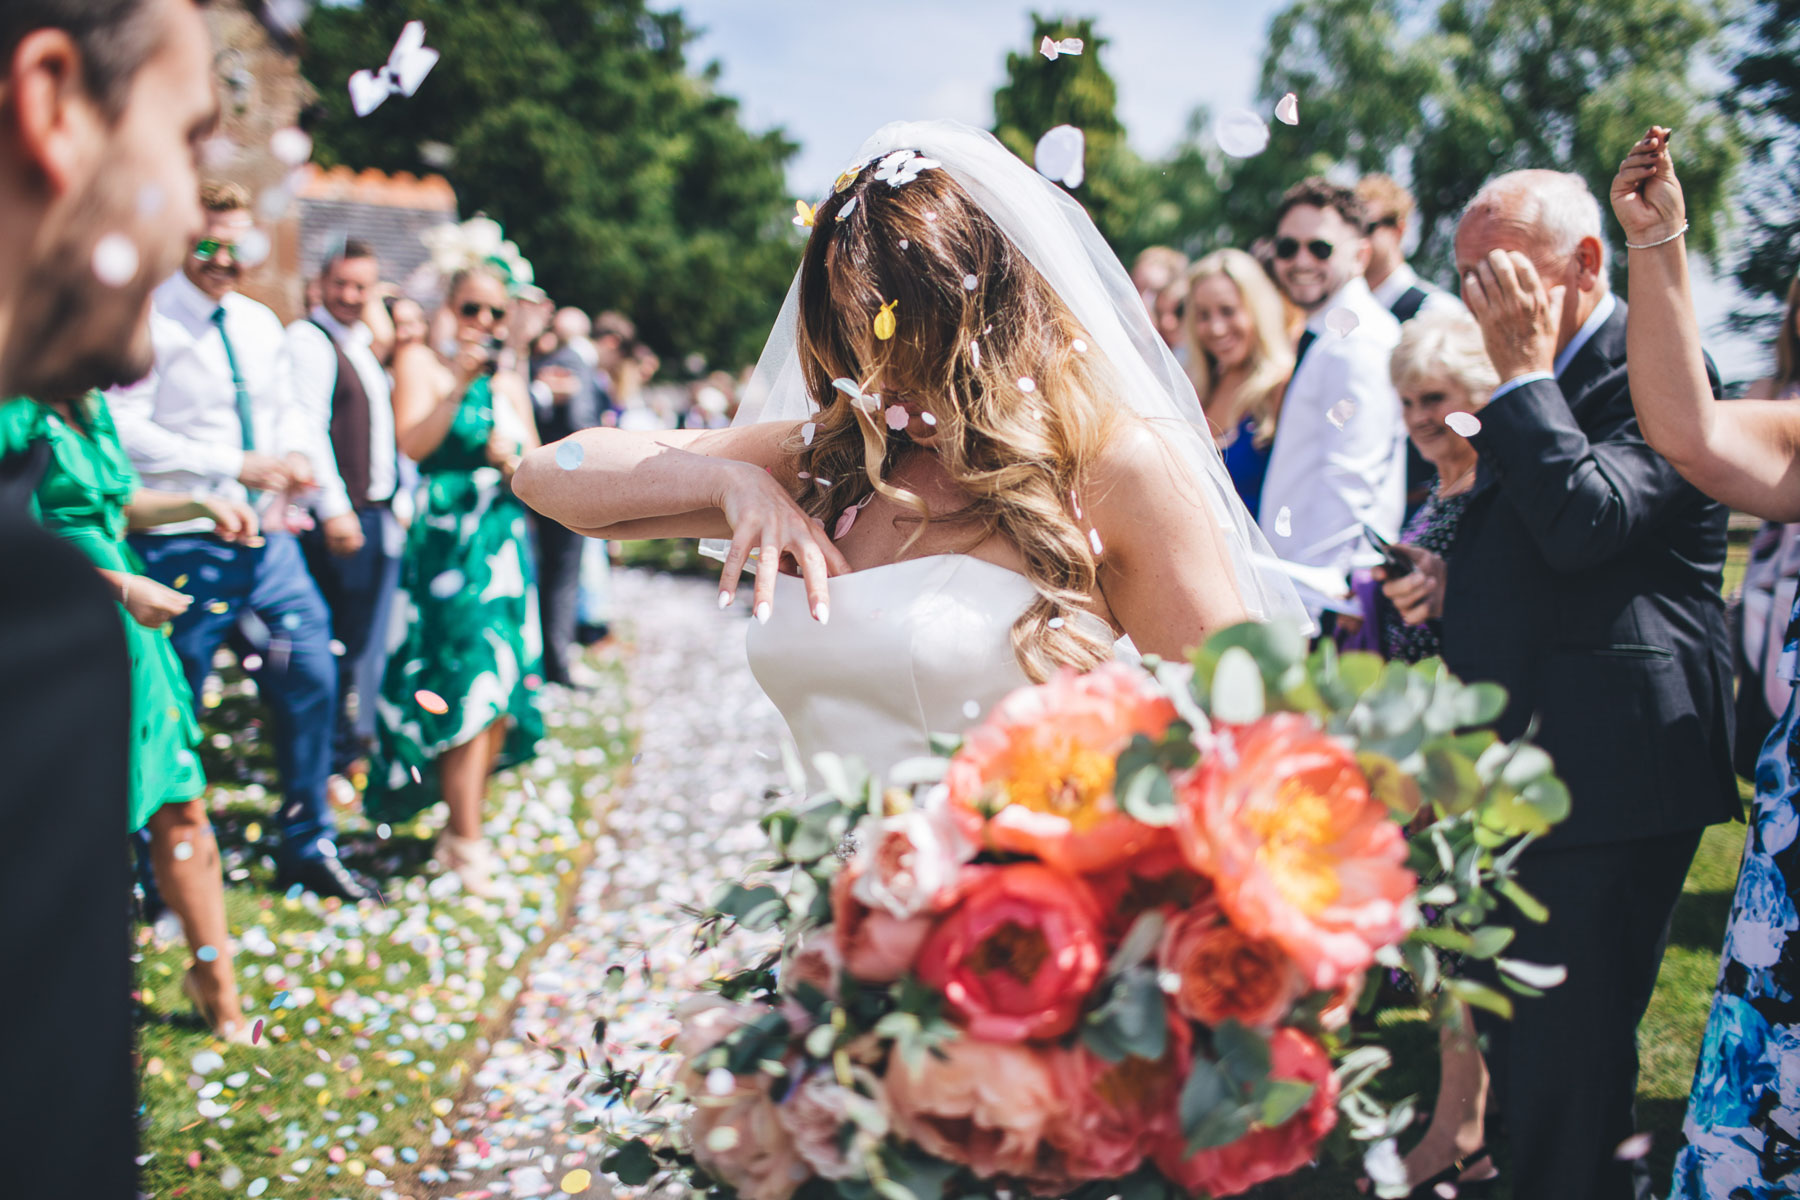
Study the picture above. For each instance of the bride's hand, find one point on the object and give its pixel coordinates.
(764, 517)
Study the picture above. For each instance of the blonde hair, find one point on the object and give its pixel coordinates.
(1023, 410)
(219, 196)
(1271, 358)
(1445, 344)
(1385, 199)
(1164, 260)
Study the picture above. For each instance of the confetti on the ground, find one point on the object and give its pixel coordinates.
(115, 260)
(569, 455)
(1466, 424)
(1241, 133)
(576, 1181)
(1287, 109)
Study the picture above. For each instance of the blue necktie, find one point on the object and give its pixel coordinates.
(246, 421)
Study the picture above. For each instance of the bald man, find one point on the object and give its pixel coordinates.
(1585, 577)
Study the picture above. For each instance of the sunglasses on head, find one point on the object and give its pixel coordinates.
(207, 249)
(474, 308)
(1287, 247)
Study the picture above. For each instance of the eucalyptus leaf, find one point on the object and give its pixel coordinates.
(1490, 940)
(1139, 942)
(1237, 688)
(1480, 704)
(1204, 1092)
(633, 1164)
(1529, 906)
(1281, 1099)
(1479, 995)
(1243, 1053)
(1536, 975)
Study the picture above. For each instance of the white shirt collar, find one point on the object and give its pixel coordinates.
(1353, 295)
(1391, 289)
(358, 334)
(185, 301)
(1602, 312)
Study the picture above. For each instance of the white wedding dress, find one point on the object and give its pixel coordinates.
(913, 648)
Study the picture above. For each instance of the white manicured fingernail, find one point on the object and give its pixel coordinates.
(822, 614)
(724, 599)
(762, 613)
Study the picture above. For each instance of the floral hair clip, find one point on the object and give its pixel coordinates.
(903, 166)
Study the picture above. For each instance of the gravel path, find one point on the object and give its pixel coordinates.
(684, 821)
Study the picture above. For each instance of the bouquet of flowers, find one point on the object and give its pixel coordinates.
(1110, 946)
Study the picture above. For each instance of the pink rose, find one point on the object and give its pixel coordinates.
(876, 946)
(816, 1113)
(906, 861)
(1018, 955)
(736, 1135)
(982, 1104)
(1263, 1154)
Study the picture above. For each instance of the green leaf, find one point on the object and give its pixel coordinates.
(1479, 995)
(1490, 940)
(1131, 1020)
(1243, 1053)
(1529, 906)
(1147, 795)
(1480, 704)
(1281, 1099)
(738, 901)
(633, 1164)
(1445, 938)
(1204, 1092)
(946, 744)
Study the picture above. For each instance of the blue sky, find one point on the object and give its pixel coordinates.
(832, 73)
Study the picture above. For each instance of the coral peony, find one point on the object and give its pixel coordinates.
(1264, 1154)
(1157, 879)
(1116, 1113)
(982, 1104)
(1016, 958)
(736, 1136)
(1281, 819)
(875, 946)
(816, 1113)
(906, 861)
(1221, 974)
(1043, 764)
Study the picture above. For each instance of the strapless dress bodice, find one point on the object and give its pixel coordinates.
(917, 647)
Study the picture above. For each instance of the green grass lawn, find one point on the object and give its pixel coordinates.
(374, 1017)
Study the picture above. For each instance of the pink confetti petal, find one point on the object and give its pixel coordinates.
(897, 417)
(1342, 321)
(1466, 424)
(1340, 413)
(256, 1031)
(1634, 1147)
(1287, 109)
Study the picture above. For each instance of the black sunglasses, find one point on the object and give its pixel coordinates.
(474, 308)
(1387, 222)
(1287, 247)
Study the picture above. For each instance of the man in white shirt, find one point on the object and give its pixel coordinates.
(216, 417)
(1339, 458)
(354, 553)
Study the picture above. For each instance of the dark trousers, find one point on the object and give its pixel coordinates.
(359, 590)
(1565, 1067)
(298, 676)
(559, 587)
(65, 1018)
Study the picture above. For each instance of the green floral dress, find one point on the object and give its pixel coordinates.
(471, 650)
(82, 499)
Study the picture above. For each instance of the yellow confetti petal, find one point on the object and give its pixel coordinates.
(846, 179)
(253, 832)
(180, 582)
(804, 214)
(576, 1181)
(218, 606)
(885, 322)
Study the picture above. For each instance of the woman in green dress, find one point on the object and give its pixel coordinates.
(89, 495)
(459, 700)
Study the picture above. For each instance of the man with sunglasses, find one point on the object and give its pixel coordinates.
(1339, 458)
(216, 416)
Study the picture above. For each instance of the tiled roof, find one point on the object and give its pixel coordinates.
(388, 212)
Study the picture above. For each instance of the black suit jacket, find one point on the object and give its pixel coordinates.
(1585, 578)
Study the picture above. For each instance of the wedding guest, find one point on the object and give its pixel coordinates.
(565, 399)
(216, 418)
(1339, 457)
(1239, 359)
(573, 328)
(1746, 454)
(459, 699)
(1157, 273)
(89, 496)
(1441, 367)
(354, 551)
(1585, 579)
(410, 327)
(99, 106)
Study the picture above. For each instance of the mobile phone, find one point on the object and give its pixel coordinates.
(1397, 564)
(493, 346)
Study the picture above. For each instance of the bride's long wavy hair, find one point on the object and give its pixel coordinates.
(983, 343)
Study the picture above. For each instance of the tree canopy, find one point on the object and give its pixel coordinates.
(1767, 97)
(626, 178)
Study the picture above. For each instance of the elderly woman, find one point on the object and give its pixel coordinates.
(1440, 367)
(1746, 453)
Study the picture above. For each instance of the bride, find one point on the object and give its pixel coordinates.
(968, 451)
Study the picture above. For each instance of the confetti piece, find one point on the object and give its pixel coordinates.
(256, 1032)
(1466, 424)
(440, 156)
(1027, 384)
(292, 146)
(253, 832)
(1342, 321)
(576, 1181)
(569, 455)
(970, 283)
(1340, 413)
(253, 663)
(928, 418)
(218, 606)
(1061, 156)
(849, 207)
(1241, 133)
(975, 354)
(115, 260)
(1054, 48)
(808, 431)
(1079, 345)
(1094, 541)
(183, 851)
(406, 68)
(847, 178)
(1287, 109)
(1284, 523)
(897, 417)
(1446, 1189)
(1634, 1147)
(720, 1082)
(180, 582)
(885, 322)
(431, 702)
(207, 954)
(903, 166)
(1056, 622)
(904, 243)
(805, 215)
(971, 709)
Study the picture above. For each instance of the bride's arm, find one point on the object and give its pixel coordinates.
(1164, 567)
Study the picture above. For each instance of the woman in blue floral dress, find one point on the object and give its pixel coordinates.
(1743, 1121)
